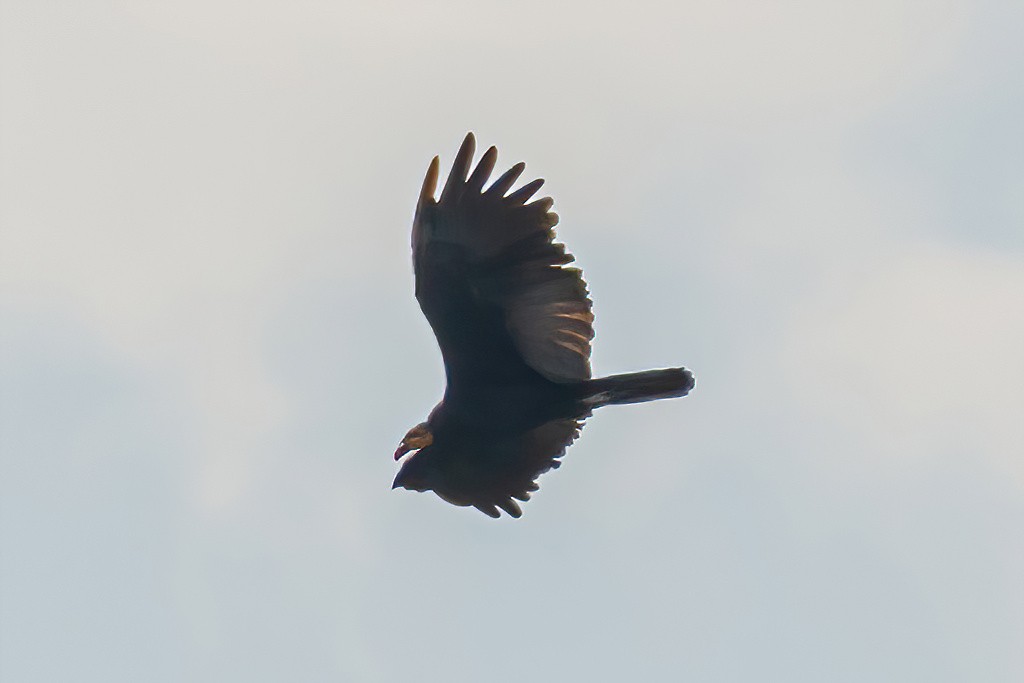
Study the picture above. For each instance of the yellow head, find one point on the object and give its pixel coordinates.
(418, 437)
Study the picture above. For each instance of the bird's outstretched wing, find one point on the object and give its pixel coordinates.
(491, 280)
(496, 473)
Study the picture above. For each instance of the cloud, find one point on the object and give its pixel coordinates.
(920, 359)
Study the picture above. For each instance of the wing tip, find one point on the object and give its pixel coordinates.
(523, 194)
(511, 507)
(429, 187)
(489, 510)
(483, 170)
(460, 167)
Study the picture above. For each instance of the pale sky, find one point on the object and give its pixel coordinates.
(210, 347)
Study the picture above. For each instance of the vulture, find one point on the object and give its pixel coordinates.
(514, 325)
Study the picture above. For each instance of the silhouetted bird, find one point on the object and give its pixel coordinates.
(514, 326)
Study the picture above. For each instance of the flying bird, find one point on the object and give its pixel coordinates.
(514, 325)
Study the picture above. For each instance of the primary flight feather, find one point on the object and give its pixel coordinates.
(514, 324)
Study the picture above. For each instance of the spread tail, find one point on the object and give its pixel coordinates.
(637, 387)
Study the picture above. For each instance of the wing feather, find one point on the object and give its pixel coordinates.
(460, 168)
(480, 252)
(483, 170)
(505, 182)
(523, 194)
(494, 473)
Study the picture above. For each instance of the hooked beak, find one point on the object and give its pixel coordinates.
(400, 451)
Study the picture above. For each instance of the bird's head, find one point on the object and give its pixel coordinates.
(417, 474)
(428, 470)
(453, 469)
(416, 438)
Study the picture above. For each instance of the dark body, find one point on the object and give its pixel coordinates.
(489, 387)
(514, 327)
